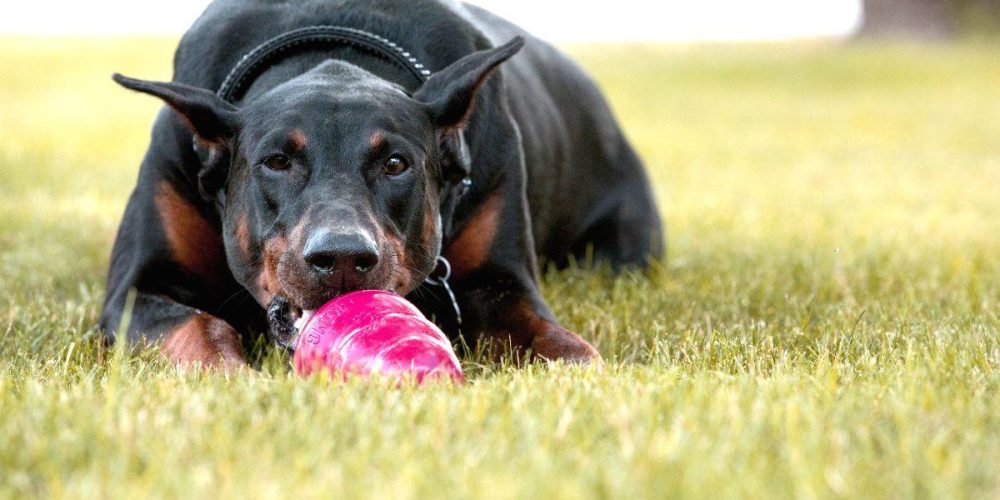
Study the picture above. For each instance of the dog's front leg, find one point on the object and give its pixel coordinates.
(514, 322)
(186, 336)
(512, 319)
(495, 283)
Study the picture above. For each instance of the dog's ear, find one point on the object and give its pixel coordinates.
(450, 94)
(450, 97)
(209, 117)
(213, 121)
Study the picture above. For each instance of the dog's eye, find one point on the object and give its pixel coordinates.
(278, 162)
(396, 165)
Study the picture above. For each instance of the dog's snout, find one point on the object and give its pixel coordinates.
(351, 253)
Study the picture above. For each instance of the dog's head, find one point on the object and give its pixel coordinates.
(332, 181)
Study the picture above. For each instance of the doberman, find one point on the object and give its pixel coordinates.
(365, 143)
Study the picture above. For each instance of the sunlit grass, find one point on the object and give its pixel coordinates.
(825, 325)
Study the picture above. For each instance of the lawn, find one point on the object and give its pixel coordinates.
(826, 323)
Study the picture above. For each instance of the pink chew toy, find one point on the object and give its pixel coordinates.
(374, 332)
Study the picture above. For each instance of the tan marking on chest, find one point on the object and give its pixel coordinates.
(195, 244)
(470, 250)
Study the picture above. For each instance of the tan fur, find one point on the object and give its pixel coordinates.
(471, 248)
(243, 234)
(297, 140)
(204, 340)
(402, 280)
(267, 282)
(524, 328)
(195, 245)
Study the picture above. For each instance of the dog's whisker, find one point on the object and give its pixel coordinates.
(241, 294)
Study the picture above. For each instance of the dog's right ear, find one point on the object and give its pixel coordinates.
(209, 117)
(213, 121)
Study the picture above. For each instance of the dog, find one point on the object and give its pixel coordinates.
(379, 141)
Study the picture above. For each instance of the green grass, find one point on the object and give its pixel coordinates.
(826, 324)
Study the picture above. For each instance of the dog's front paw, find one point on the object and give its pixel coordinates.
(206, 341)
(559, 344)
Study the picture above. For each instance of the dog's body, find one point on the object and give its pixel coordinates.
(209, 245)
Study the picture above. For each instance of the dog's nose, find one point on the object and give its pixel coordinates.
(351, 253)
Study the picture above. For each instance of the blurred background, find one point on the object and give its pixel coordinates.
(647, 20)
(624, 20)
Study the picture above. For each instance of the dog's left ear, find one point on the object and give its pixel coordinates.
(451, 93)
(450, 97)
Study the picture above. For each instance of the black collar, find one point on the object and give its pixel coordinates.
(265, 55)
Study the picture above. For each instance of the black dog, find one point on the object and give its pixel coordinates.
(370, 139)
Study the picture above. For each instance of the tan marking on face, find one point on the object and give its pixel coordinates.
(393, 271)
(470, 249)
(298, 233)
(431, 232)
(297, 140)
(376, 139)
(243, 233)
(287, 273)
(403, 279)
(195, 244)
(267, 283)
(204, 340)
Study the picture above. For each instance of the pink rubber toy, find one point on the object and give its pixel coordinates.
(376, 332)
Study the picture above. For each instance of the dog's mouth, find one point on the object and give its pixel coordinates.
(288, 311)
(286, 320)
